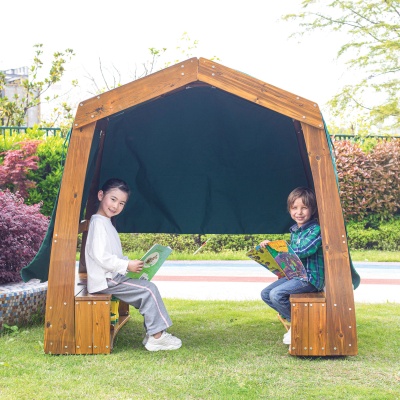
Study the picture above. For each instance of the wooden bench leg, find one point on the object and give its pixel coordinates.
(308, 333)
(284, 321)
(101, 327)
(94, 331)
(92, 326)
(83, 327)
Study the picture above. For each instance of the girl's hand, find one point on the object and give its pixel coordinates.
(264, 243)
(135, 265)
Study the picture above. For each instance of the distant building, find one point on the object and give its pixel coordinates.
(14, 86)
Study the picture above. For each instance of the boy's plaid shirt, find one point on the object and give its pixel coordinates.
(306, 241)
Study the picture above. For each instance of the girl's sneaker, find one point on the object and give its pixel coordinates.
(165, 342)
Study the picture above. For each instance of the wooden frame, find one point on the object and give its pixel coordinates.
(60, 329)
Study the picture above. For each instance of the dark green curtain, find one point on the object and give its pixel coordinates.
(204, 161)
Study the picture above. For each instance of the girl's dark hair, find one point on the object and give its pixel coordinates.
(115, 183)
(307, 196)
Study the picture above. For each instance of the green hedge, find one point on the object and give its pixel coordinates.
(366, 236)
(48, 175)
(190, 243)
(362, 235)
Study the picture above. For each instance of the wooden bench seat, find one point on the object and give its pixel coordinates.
(308, 325)
(94, 333)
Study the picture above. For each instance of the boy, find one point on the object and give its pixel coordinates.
(305, 240)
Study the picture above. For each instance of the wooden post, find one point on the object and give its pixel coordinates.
(340, 312)
(94, 187)
(59, 337)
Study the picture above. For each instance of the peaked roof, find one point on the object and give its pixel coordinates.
(192, 71)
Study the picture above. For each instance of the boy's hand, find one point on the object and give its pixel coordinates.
(135, 265)
(264, 243)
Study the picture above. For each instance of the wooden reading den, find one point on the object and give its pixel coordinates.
(206, 150)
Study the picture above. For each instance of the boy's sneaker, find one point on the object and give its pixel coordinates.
(165, 342)
(287, 337)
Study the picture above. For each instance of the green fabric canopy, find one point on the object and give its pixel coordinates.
(198, 160)
(204, 161)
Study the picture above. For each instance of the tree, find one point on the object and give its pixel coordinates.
(373, 49)
(111, 77)
(13, 111)
(16, 166)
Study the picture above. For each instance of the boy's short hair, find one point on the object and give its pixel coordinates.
(306, 195)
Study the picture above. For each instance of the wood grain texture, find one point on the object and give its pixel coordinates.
(136, 92)
(308, 326)
(197, 70)
(341, 320)
(83, 327)
(60, 304)
(259, 92)
(317, 297)
(317, 329)
(91, 205)
(101, 327)
(299, 329)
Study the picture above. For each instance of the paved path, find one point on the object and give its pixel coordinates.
(244, 280)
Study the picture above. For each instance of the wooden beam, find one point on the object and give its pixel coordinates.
(260, 92)
(341, 320)
(191, 71)
(60, 308)
(136, 92)
(92, 198)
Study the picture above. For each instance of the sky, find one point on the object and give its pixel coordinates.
(249, 36)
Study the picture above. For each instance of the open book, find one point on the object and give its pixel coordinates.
(153, 260)
(279, 258)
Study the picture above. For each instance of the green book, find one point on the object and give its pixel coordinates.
(153, 260)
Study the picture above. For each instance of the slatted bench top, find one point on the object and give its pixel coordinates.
(84, 295)
(81, 292)
(318, 297)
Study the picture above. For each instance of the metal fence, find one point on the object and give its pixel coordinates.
(361, 139)
(16, 130)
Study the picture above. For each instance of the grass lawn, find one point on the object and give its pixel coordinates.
(375, 255)
(231, 350)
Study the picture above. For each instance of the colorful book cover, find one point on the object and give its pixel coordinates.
(279, 258)
(264, 257)
(153, 260)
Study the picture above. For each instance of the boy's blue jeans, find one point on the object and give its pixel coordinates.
(277, 294)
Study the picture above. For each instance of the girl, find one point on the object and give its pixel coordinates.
(106, 269)
(305, 240)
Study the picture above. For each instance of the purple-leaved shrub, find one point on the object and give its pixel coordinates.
(22, 229)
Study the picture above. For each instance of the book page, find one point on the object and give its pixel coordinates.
(153, 260)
